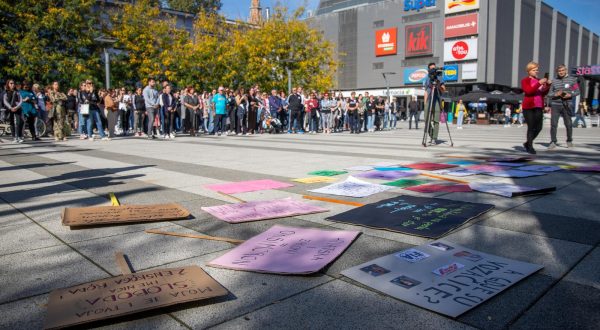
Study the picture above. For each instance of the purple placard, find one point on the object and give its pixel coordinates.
(386, 175)
(287, 250)
(592, 168)
(246, 186)
(262, 210)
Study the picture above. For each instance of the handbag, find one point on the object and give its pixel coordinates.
(84, 109)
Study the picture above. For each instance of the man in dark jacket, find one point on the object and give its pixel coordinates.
(295, 107)
(563, 90)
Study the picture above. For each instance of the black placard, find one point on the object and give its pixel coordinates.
(421, 216)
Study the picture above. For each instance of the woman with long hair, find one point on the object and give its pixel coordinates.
(59, 112)
(12, 102)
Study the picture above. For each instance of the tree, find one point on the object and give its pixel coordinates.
(194, 6)
(46, 40)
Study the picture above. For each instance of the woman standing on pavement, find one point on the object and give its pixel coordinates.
(535, 90)
(59, 112)
(90, 104)
(29, 110)
(12, 102)
(460, 109)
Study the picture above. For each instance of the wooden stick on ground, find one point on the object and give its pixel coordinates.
(231, 196)
(331, 200)
(444, 178)
(122, 263)
(212, 238)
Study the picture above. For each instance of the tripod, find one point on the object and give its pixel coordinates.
(429, 120)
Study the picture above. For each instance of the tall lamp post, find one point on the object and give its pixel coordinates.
(106, 42)
(387, 83)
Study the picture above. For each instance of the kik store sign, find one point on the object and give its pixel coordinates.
(417, 5)
(418, 40)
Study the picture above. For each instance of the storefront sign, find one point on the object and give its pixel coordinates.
(385, 42)
(414, 75)
(457, 6)
(469, 71)
(460, 50)
(463, 25)
(417, 5)
(451, 72)
(587, 70)
(418, 40)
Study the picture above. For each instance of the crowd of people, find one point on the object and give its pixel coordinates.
(160, 111)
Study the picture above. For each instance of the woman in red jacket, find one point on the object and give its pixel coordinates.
(533, 103)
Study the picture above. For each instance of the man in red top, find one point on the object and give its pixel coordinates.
(312, 107)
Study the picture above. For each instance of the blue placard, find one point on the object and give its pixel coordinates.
(414, 75)
(451, 72)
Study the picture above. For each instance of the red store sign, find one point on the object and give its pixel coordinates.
(418, 40)
(459, 26)
(386, 42)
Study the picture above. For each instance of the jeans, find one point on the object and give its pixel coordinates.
(393, 120)
(413, 115)
(94, 116)
(370, 121)
(578, 117)
(169, 123)
(82, 127)
(558, 110)
(219, 123)
(151, 116)
(460, 118)
(296, 120)
(314, 123)
(211, 121)
(354, 122)
(386, 118)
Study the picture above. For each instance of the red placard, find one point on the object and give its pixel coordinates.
(418, 40)
(385, 42)
(463, 25)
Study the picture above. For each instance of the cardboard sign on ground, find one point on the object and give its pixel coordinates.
(100, 215)
(128, 294)
(406, 183)
(421, 216)
(386, 175)
(327, 173)
(435, 188)
(352, 187)
(430, 166)
(315, 179)
(508, 190)
(262, 210)
(287, 250)
(247, 186)
(441, 276)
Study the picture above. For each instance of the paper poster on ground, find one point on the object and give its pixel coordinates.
(128, 294)
(352, 187)
(386, 175)
(392, 168)
(441, 276)
(591, 168)
(406, 183)
(359, 168)
(287, 250)
(327, 173)
(421, 216)
(435, 188)
(458, 172)
(508, 190)
(247, 186)
(315, 179)
(540, 168)
(463, 162)
(100, 215)
(514, 174)
(261, 210)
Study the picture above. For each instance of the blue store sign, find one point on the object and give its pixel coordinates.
(418, 4)
(414, 75)
(451, 72)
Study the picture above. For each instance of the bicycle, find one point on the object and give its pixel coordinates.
(40, 127)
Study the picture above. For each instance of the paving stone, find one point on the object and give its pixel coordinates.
(340, 305)
(582, 209)
(24, 237)
(586, 272)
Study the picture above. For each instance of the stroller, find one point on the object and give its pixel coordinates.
(272, 125)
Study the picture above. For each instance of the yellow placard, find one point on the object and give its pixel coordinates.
(315, 179)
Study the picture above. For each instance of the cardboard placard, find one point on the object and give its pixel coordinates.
(100, 215)
(327, 173)
(287, 250)
(315, 179)
(386, 175)
(508, 190)
(441, 276)
(262, 210)
(429, 166)
(128, 294)
(421, 216)
(352, 187)
(247, 186)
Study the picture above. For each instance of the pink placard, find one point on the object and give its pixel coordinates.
(486, 168)
(246, 186)
(287, 250)
(429, 166)
(433, 188)
(262, 210)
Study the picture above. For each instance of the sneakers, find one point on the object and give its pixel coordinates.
(569, 144)
(552, 146)
(106, 138)
(172, 135)
(91, 138)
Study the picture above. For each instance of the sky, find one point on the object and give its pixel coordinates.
(584, 12)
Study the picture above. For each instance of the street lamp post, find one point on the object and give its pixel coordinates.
(387, 84)
(106, 42)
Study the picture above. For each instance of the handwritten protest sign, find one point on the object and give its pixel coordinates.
(421, 216)
(327, 173)
(429, 166)
(262, 210)
(441, 276)
(406, 183)
(514, 174)
(540, 168)
(247, 186)
(128, 294)
(315, 179)
(435, 188)
(508, 190)
(386, 175)
(352, 187)
(99, 215)
(287, 250)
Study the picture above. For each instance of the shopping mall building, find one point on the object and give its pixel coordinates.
(483, 44)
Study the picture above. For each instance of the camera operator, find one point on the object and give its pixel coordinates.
(432, 81)
(562, 91)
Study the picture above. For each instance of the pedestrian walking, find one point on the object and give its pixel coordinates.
(535, 90)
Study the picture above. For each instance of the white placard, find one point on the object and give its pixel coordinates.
(352, 187)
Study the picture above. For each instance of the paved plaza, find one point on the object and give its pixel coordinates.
(560, 231)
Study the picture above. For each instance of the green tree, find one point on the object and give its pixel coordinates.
(46, 40)
(194, 6)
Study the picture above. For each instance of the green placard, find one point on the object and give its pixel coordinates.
(402, 183)
(327, 173)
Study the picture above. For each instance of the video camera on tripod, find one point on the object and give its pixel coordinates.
(435, 74)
